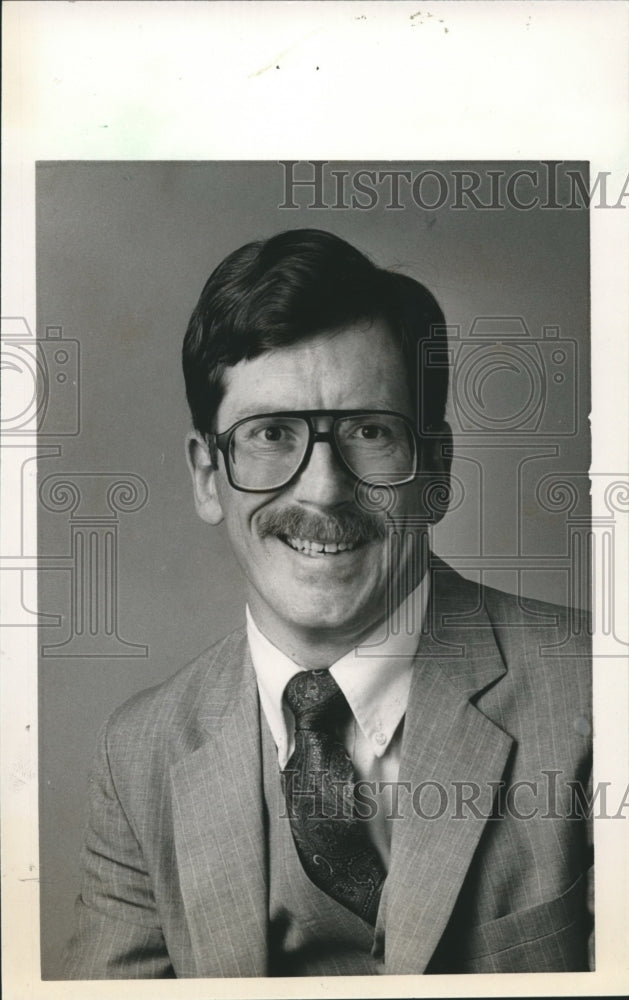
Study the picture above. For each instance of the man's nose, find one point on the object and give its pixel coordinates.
(323, 482)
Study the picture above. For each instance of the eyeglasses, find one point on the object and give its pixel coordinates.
(266, 452)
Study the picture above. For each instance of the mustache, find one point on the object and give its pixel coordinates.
(349, 525)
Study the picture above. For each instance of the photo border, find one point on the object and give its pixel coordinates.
(69, 66)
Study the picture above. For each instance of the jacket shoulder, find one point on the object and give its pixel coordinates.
(547, 651)
(554, 629)
(174, 713)
(545, 648)
(514, 618)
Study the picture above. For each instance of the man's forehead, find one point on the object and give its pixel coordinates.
(358, 366)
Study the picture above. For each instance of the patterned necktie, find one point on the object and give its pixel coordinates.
(331, 840)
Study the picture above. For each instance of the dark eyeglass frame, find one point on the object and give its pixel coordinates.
(222, 442)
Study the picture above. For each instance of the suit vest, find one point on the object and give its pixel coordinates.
(310, 934)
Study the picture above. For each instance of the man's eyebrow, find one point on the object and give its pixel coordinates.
(259, 411)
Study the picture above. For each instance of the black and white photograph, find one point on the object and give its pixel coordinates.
(317, 567)
(338, 538)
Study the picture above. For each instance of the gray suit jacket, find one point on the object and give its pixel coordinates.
(175, 880)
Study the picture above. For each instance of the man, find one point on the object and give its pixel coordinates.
(346, 787)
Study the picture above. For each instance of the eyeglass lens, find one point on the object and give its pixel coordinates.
(265, 452)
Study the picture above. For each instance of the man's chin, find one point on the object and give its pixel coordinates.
(329, 613)
(333, 593)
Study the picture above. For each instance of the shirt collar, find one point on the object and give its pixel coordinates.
(375, 677)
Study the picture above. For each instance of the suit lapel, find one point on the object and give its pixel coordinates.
(219, 830)
(446, 740)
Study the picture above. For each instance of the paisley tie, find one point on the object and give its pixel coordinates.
(331, 840)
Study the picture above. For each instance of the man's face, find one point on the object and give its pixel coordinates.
(340, 594)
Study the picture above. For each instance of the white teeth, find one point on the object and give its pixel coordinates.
(313, 547)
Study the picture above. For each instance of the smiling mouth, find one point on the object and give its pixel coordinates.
(309, 547)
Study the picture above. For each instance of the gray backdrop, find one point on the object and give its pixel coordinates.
(136, 583)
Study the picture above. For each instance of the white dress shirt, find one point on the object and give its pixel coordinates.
(375, 678)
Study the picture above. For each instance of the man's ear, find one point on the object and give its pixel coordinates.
(442, 454)
(204, 475)
(437, 468)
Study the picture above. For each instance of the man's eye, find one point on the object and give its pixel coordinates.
(271, 434)
(370, 432)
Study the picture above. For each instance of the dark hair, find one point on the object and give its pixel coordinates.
(275, 292)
